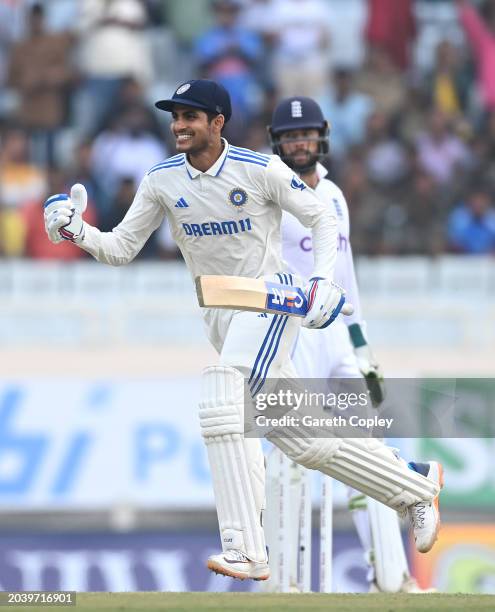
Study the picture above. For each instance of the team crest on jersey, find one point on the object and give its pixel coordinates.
(238, 197)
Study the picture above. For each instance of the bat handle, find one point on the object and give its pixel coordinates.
(347, 309)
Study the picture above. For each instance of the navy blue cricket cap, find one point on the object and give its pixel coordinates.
(200, 93)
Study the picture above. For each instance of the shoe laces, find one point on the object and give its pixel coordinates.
(237, 555)
(418, 514)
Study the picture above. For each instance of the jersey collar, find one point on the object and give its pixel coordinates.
(321, 170)
(215, 169)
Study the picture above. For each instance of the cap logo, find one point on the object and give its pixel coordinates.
(183, 88)
(296, 109)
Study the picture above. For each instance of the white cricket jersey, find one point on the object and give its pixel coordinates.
(297, 244)
(225, 220)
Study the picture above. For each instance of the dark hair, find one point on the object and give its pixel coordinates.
(478, 184)
(37, 10)
(211, 115)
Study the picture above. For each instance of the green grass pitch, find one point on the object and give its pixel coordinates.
(247, 602)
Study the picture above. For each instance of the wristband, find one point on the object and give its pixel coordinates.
(356, 334)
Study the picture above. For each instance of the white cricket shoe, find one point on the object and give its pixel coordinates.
(409, 585)
(235, 564)
(425, 515)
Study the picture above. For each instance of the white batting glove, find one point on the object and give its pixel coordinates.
(63, 215)
(325, 301)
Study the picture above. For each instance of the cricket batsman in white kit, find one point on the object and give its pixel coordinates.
(299, 134)
(224, 206)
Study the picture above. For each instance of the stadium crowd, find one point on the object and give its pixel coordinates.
(407, 85)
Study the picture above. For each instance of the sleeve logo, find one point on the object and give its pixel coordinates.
(297, 184)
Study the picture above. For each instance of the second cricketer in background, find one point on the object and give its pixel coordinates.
(300, 136)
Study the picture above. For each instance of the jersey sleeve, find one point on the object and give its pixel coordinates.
(124, 242)
(288, 191)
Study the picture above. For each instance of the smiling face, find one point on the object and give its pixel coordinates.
(300, 148)
(194, 131)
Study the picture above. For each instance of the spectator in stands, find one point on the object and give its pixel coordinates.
(12, 16)
(486, 150)
(441, 153)
(301, 53)
(36, 245)
(40, 71)
(367, 205)
(386, 158)
(448, 82)
(392, 26)
(120, 204)
(188, 25)
(128, 148)
(113, 46)
(347, 110)
(424, 207)
(82, 172)
(480, 31)
(259, 16)
(414, 114)
(20, 182)
(125, 192)
(132, 95)
(231, 55)
(382, 81)
(471, 226)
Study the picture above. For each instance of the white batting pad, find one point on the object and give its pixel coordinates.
(365, 464)
(236, 464)
(388, 551)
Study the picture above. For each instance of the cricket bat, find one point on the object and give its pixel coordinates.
(241, 293)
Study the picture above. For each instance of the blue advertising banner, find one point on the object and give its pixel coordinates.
(151, 561)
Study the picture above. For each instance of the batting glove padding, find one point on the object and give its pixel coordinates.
(63, 215)
(325, 301)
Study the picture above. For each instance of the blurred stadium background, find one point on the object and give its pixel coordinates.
(104, 483)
